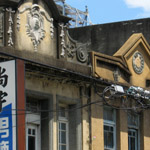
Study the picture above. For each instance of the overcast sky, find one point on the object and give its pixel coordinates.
(105, 11)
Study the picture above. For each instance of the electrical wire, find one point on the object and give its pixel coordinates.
(68, 110)
(111, 90)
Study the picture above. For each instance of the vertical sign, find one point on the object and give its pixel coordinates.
(8, 112)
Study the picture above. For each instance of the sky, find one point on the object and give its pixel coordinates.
(106, 11)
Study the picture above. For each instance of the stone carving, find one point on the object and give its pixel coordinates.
(76, 49)
(116, 75)
(1, 26)
(82, 54)
(35, 24)
(138, 62)
(51, 28)
(18, 22)
(10, 31)
(62, 36)
(71, 50)
(79, 50)
(71, 46)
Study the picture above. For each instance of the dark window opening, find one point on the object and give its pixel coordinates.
(147, 83)
(31, 143)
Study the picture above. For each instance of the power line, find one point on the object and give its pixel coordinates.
(58, 110)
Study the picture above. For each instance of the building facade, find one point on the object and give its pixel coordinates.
(57, 93)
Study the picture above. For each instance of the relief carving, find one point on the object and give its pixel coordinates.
(71, 50)
(35, 24)
(116, 75)
(10, 30)
(75, 49)
(82, 54)
(1, 26)
(63, 44)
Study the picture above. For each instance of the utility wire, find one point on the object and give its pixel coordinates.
(72, 109)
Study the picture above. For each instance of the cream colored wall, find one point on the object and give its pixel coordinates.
(85, 123)
(50, 87)
(48, 46)
(55, 88)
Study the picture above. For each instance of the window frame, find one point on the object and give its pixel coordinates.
(37, 133)
(136, 137)
(135, 128)
(66, 121)
(111, 124)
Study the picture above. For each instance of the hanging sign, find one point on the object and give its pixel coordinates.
(8, 104)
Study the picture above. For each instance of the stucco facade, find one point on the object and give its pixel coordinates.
(68, 95)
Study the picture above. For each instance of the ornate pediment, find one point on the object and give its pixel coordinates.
(35, 23)
(135, 53)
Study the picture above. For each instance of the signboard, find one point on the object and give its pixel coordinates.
(8, 112)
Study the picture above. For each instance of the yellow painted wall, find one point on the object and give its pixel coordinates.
(138, 79)
(145, 130)
(97, 138)
(122, 130)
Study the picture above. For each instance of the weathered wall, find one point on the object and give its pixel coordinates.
(47, 45)
(57, 91)
(97, 131)
(108, 38)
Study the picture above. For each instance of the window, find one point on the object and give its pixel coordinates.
(69, 124)
(33, 128)
(63, 128)
(109, 129)
(32, 137)
(147, 83)
(132, 139)
(133, 131)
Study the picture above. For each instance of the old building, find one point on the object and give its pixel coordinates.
(85, 88)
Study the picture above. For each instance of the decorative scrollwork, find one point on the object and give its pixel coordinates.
(82, 54)
(71, 50)
(35, 24)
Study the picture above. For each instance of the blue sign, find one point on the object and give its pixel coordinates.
(6, 128)
(8, 111)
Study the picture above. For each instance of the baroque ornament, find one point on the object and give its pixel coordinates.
(71, 50)
(10, 31)
(82, 54)
(76, 49)
(138, 62)
(35, 24)
(62, 36)
(1, 26)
